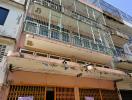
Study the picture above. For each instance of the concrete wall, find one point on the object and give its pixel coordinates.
(30, 78)
(3, 64)
(13, 22)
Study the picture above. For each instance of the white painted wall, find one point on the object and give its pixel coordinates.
(3, 64)
(13, 22)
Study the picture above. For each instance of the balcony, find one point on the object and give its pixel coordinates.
(92, 18)
(124, 61)
(39, 37)
(119, 38)
(110, 11)
(36, 63)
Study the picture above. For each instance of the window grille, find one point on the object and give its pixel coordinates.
(43, 30)
(38, 92)
(2, 51)
(55, 35)
(65, 37)
(31, 27)
(65, 94)
(109, 95)
(89, 93)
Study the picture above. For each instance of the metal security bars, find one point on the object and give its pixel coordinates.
(2, 51)
(65, 94)
(111, 10)
(38, 92)
(94, 17)
(89, 93)
(65, 37)
(98, 94)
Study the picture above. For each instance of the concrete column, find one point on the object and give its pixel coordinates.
(76, 92)
(4, 93)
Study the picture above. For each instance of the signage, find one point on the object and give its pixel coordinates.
(89, 98)
(25, 98)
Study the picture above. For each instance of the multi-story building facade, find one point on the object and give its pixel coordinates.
(11, 18)
(120, 25)
(69, 49)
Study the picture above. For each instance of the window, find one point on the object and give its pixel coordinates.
(31, 27)
(2, 51)
(3, 15)
(65, 37)
(86, 43)
(55, 35)
(43, 30)
(77, 41)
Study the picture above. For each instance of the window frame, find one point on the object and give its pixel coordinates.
(5, 17)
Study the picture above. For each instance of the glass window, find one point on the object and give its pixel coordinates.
(3, 15)
(55, 34)
(94, 46)
(77, 41)
(65, 37)
(86, 43)
(2, 51)
(43, 30)
(31, 27)
(101, 48)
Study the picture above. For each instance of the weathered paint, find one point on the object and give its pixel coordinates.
(13, 21)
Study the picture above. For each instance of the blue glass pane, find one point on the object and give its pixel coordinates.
(3, 15)
(65, 37)
(77, 41)
(55, 35)
(43, 30)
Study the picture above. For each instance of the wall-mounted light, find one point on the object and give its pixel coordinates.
(88, 67)
(65, 64)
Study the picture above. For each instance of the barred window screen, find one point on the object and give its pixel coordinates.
(37, 92)
(89, 93)
(2, 51)
(109, 95)
(65, 94)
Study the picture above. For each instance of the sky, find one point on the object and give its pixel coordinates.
(124, 5)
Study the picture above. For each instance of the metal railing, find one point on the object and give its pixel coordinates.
(115, 12)
(70, 12)
(122, 54)
(106, 7)
(65, 37)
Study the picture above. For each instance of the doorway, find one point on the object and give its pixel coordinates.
(50, 94)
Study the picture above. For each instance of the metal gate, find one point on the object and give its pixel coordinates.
(65, 94)
(39, 92)
(98, 94)
(60, 93)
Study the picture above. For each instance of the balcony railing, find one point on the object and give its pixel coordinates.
(70, 12)
(65, 37)
(124, 56)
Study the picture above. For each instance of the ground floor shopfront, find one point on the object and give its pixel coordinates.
(126, 94)
(42, 86)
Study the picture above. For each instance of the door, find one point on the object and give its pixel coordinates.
(50, 94)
